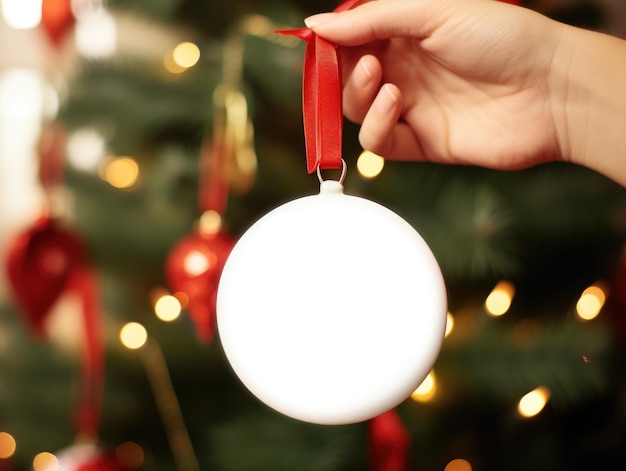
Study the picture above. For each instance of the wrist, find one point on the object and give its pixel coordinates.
(565, 96)
(588, 94)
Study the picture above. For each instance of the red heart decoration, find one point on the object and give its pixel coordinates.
(40, 261)
(193, 267)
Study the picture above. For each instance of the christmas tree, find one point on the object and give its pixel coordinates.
(529, 376)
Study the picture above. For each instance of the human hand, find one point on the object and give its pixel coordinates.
(452, 81)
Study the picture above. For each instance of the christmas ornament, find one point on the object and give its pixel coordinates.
(47, 260)
(40, 262)
(331, 308)
(195, 263)
(42, 258)
(56, 19)
(193, 267)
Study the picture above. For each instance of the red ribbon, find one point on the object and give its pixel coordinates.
(389, 443)
(213, 181)
(46, 261)
(43, 263)
(321, 98)
(89, 410)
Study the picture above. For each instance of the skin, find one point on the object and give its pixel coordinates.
(480, 82)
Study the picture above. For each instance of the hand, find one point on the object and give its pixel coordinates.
(453, 81)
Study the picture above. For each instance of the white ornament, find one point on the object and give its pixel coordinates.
(331, 308)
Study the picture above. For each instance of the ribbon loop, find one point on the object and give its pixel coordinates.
(321, 98)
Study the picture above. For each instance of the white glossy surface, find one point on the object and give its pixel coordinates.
(331, 308)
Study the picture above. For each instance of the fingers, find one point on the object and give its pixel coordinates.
(361, 87)
(381, 132)
(377, 20)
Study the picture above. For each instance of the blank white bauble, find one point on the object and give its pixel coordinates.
(331, 308)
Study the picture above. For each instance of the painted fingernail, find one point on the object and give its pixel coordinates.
(319, 19)
(386, 100)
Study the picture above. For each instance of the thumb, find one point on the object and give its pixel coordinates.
(378, 20)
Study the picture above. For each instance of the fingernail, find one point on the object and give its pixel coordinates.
(319, 19)
(386, 100)
(365, 77)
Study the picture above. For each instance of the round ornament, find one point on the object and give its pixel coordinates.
(331, 308)
(40, 263)
(193, 267)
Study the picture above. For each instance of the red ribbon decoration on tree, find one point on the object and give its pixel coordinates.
(321, 98)
(46, 261)
(389, 443)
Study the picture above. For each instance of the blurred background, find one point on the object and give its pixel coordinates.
(122, 122)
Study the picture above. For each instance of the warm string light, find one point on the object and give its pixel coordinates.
(499, 300)
(45, 461)
(167, 308)
(458, 464)
(533, 402)
(426, 390)
(133, 335)
(7, 445)
(182, 57)
(370, 165)
(591, 302)
(449, 324)
(120, 172)
(210, 222)
(186, 54)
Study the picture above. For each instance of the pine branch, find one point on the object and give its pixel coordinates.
(503, 362)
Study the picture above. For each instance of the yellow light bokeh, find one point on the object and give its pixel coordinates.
(45, 461)
(458, 464)
(167, 308)
(186, 55)
(427, 390)
(533, 402)
(133, 335)
(120, 172)
(449, 324)
(7, 445)
(499, 300)
(210, 222)
(590, 302)
(170, 65)
(369, 164)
